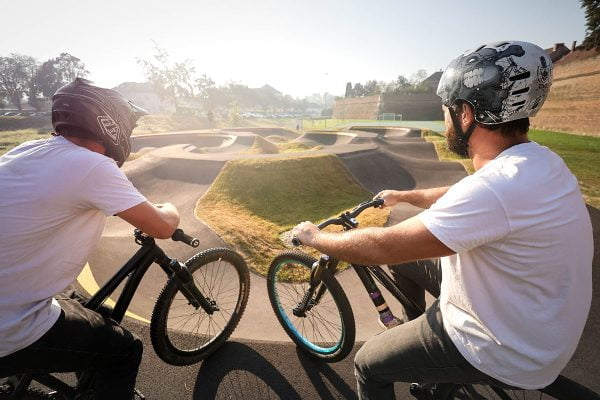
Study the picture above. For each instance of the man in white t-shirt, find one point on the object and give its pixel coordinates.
(515, 242)
(55, 195)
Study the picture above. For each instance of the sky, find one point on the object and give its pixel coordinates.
(298, 47)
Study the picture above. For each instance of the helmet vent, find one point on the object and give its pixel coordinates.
(524, 75)
(502, 44)
(520, 91)
(519, 103)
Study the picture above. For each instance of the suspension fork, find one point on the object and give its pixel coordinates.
(315, 290)
(184, 278)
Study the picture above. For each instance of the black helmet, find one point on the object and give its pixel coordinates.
(503, 81)
(101, 114)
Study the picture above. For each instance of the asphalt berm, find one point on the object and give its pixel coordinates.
(260, 361)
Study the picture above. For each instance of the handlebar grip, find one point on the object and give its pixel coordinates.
(296, 242)
(180, 236)
(378, 202)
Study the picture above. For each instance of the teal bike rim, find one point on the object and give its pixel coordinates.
(292, 327)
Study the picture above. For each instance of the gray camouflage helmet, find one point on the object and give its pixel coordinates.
(503, 81)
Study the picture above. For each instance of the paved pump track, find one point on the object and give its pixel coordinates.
(179, 168)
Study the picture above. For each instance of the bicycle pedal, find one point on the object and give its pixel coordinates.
(138, 395)
(422, 391)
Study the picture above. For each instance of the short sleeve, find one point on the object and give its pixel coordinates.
(106, 188)
(467, 216)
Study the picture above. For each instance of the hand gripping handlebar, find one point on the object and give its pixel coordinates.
(346, 219)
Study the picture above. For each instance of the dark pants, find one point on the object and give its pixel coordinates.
(83, 340)
(418, 350)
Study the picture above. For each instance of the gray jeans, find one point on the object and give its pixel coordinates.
(418, 350)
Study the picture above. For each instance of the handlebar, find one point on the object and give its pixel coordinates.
(180, 236)
(346, 219)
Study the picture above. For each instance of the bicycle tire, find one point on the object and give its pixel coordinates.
(327, 331)
(562, 388)
(184, 335)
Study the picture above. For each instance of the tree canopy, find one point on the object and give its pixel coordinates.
(592, 18)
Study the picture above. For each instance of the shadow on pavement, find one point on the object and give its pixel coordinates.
(269, 371)
(237, 371)
(327, 383)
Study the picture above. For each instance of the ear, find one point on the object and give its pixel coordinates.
(467, 115)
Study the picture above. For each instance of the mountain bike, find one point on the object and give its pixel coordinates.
(314, 311)
(195, 313)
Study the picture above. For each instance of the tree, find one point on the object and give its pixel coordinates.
(57, 72)
(205, 87)
(358, 90)
(592, 17)
(418, 77)
(69, 68)
(169, 81)
(33, 90)
(371, 88)
(15, 76)
(400, 84)
(348, 90)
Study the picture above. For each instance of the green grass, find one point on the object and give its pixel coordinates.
(439, 141)
(582, 156)
(580, 153)
(10, 139)
(253, 201)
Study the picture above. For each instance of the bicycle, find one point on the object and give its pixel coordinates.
(314, 311)
(195, 313)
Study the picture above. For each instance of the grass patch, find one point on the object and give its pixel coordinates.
(10, 139)
(582, 156)
(252, 202)
(580, 153)
(441, 148)
(293, 147)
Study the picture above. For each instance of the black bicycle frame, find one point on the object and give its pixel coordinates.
(366, 273)
(135, 269)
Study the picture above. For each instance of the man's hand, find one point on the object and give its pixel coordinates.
(390, 197)
(422, 198)
(305, 232)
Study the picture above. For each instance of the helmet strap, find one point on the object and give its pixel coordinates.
(462, 136)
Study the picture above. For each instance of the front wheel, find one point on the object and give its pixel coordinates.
(182, 334)
(561, 389)
(325, 329)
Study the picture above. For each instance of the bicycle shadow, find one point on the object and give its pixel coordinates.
(269, 371)
(237, 371)
(327, 382)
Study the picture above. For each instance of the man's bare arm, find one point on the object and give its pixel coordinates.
(423, 198)
(159, 221)
(407, 241)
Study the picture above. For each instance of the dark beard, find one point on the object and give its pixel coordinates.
(454, 144)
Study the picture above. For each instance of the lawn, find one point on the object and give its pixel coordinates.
(580, 153)
(254, 201)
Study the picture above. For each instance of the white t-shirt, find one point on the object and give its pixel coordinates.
(516, 296)
(54, 199)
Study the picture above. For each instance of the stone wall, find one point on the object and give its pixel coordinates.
(357, 108)
(574, 99)
(412, 106)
